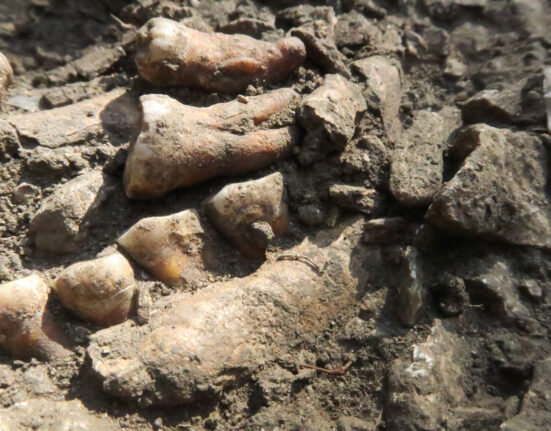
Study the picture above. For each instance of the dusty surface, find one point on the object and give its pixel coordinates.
(447, 326)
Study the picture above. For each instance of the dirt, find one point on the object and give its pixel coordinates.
(489, 293)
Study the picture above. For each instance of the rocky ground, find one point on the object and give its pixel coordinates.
(397, 277)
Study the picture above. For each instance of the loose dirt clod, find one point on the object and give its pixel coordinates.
(26, 329)
(250, 213)
(182, 145)
(175, 249)
(170, 53)
(101, 290)
(62, 221)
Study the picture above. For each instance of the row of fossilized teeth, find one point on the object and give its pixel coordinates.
(175, 249)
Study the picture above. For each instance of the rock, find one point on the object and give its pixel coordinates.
(383, 90)
(9, 141)
(493, 106)
(115, 111)
(275, 385)
(25, 193)
(250, 213)
(195, 345)
(409, 285)
(311, 214)
(100, 290)
(318, 36)
(170, 53)
(182, 145)
(423, 392)
(389, 230)
(417, 168)
(175, 249)
(367, 201)
(499, 191)
(354, 30)
(535, 413)
(368, 158)
(26, 328)
(495, 291)
(49, 415)
(62, 221)
(250, 26)
(6, 75)
(329, 115)
(455, 66)
(351, 423)
(451, 295)
(547, 94)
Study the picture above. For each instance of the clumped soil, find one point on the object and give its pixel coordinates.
(448, 51)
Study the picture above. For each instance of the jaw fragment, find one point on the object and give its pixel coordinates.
(181, 145)
(197, 344)
(101, 290)
(170, 53)
(175, 249)
(26, 329)
(250, 213)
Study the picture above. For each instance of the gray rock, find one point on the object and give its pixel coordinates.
(451, 295)
(535, 412)
(367, 201)
(354, 30)
(409, 285)
(47, 415)
(61, 222)
(493, 106)
(329, 115)
(499, 191)
(416, 171)
(423, 392)
(319, 38)
(383, 90)
(25, 193)
(311, 214)
(495, 292)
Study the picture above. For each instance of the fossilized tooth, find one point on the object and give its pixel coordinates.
(26, 329)
(250, 213)
(170, 53)
(6, 74)
(101, 290)
(175, 249)
(196, 344)
(181, 145)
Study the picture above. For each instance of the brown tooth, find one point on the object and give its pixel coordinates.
(182, 145)
(175, 249)
(26, 328)
(170, 53)
(250, 213)
(100, 290)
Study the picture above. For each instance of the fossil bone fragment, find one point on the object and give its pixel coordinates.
(101, 290)
(26, 329)
(250, 213)
(181, 145)
(175, 248)
(170, 53)
(6, 74)
(215, 337)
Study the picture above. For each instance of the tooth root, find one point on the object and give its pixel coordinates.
(26, 329)
(175, 249)
(182, 145)
(100, 290)
(170, 53)
(250, 213)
